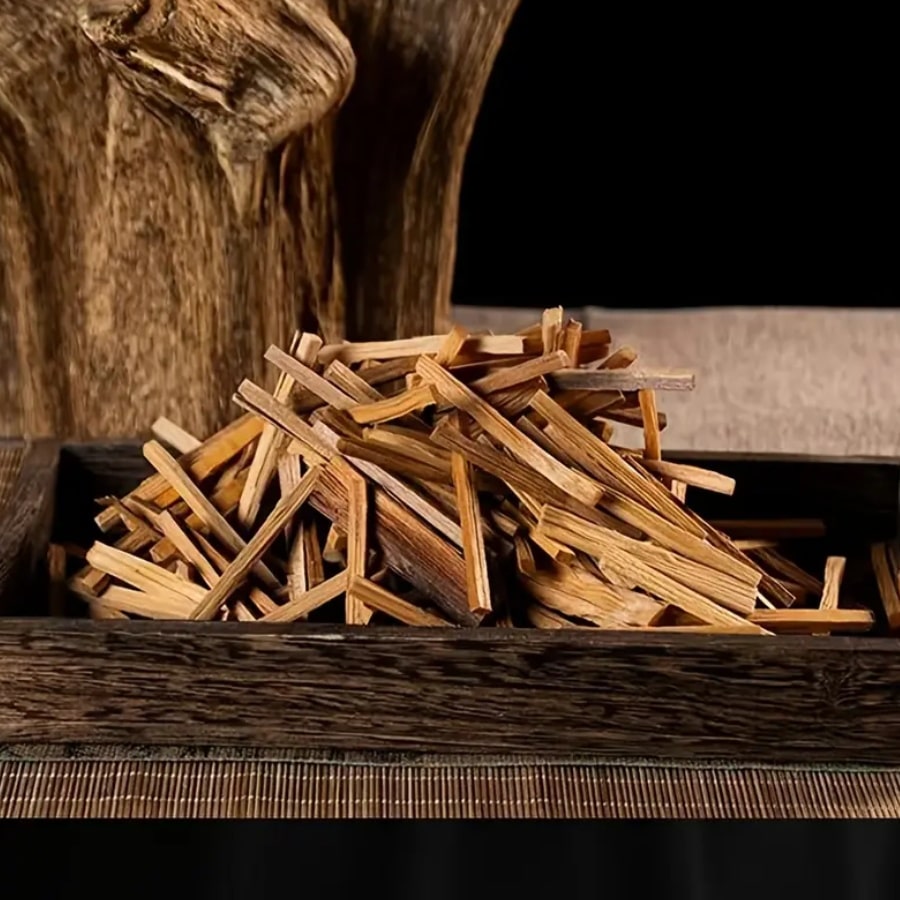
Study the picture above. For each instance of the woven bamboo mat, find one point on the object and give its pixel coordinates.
(118, 783)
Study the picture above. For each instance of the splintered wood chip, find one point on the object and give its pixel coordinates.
(405, 483)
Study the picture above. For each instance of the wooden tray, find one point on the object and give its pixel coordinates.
(470, 691)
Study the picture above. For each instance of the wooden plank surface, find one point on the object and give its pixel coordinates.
(471, 690)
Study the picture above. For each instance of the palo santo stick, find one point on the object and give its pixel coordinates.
(721, 587)
(253, 397)
(601, 461)
(545, 439)
(887, 585)
(673, 538)
(357, 542)
(308, 378)
(451, 346)
(354, 386)
(148, 605)
(315, 597)
(168, 467)
(455, 392)
(263, 466)
(524, 557)
(390, 459)
(813, 621)
(650, 418)
(623, 380)
(541, 617)
(411, 549)
(93, 580)
(166, 431)
(606, 606)
(289, 475)
(525, 482)
(418, 447)
(225, 499)
(621, 359)
(771, 529)
(378, 599)
(477, 582)
(334, 549)
(200, 464)
(834, 573)
(551, 326)
(567, 529)
(788, 570)
(400, 491)
(502, 379)
(250, 554)
(570, 340)
(490, 345)
(391, 408)
(693, 476)
(144, 575)
(186, 547)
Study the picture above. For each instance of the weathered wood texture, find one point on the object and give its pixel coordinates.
(183, 182)
(470, 691)
(26, 521)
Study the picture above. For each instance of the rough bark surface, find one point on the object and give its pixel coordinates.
(183, 182)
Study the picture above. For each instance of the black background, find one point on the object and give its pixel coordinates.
(628, 155)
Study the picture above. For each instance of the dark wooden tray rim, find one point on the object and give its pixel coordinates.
(798, 699)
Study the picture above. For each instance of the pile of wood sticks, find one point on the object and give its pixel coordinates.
(456, 479)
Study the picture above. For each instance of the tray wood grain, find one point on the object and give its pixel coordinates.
(798, 699)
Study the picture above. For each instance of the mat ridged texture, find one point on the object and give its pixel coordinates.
(10, 466)
(318, 788)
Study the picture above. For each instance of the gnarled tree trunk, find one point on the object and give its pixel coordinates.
(183, 182)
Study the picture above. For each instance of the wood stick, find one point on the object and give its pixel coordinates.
(603, 605)
(721, 587)
(503, 379)
(153, 605)
(411, 549)
(621, 359)
(400, 491)
(262, 468)
(394, 407)
(353, 385)
(167, 432)
(250, 553)
(455, 392)
(567, 529)
(887, 585)
(144, 575)
(551, 326)
(168, 467)
(334, 550)
(389, 459)
(650, 418)
(813, 621)
(632, 417)
(315, 597)
(601, 461)
(542, 617)
(570, 341)
(623, 380)
(451, 346)
(308, 378)
(214, 453)
(525, 562)
(477, 582)
(357, 542)
(834, 573)
(250, 396)
(491, 345)
(378, 599)
(771, 529)
(186, 547)
(693, 476)
(781, 566)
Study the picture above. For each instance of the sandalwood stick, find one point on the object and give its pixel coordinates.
(477, 581)
(249, 555)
